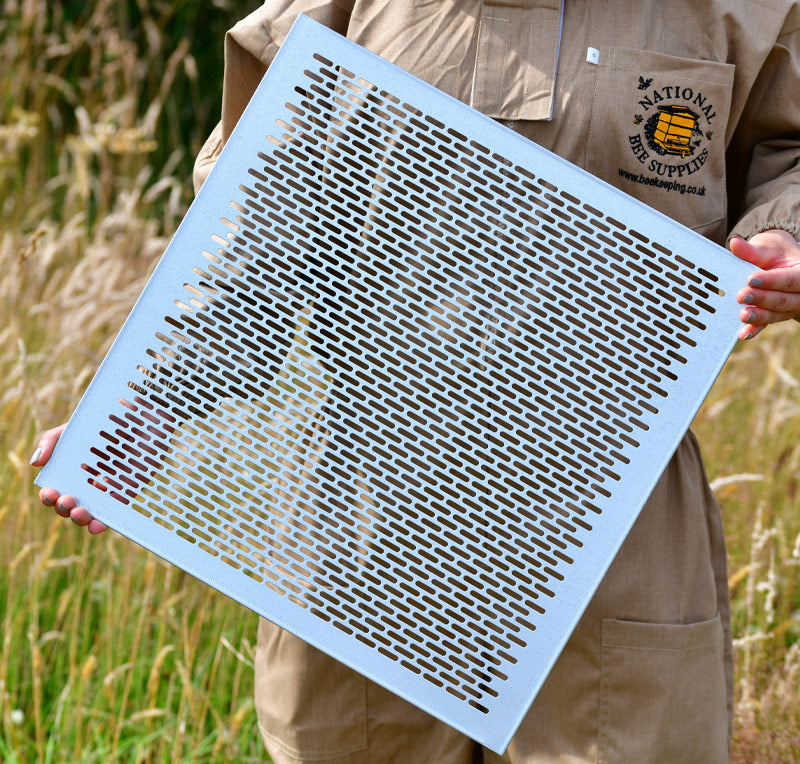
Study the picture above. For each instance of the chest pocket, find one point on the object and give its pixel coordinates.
(517, 58)
(658, 132)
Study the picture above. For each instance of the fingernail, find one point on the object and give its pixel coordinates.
(750, 317)
(47, 501)
(36, 456)
(749, 336)
(748, 299)
(755, 282)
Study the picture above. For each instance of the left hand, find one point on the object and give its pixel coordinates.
(66, 506)
(772, 294)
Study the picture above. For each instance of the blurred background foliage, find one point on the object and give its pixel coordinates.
(99, 96)
(106, 653)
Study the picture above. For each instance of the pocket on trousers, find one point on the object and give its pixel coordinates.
(663, 696)
(310, 706)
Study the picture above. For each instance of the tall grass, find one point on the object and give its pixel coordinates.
(750, 428)
(106, 653)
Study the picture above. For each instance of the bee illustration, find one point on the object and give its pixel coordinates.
(637, 119)
(709, 134)
(644, 83)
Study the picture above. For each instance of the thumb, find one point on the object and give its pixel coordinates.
(744, 250)
(46, 445)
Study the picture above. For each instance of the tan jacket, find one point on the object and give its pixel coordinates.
(692, 107)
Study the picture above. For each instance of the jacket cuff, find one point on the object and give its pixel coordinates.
(746, 229)
(207, 157)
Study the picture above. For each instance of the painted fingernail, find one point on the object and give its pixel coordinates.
(750, 317)
(749, 336)
(47, 501)
(36, 456)
(755, 282)
(748, 299)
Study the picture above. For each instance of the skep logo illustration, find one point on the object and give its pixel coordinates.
(671, 130)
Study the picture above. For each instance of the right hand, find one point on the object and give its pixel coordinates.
(65, 506)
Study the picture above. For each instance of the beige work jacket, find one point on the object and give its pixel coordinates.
(691, 107)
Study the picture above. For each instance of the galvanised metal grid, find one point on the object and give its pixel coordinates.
(402, 382)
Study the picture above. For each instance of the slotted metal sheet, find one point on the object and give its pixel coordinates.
(402, 382)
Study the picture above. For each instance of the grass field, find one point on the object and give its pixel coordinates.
(106, 653)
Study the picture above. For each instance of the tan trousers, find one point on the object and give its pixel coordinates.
(646, 676)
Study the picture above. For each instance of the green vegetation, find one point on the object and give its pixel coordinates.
(108, 654)
(749, 428)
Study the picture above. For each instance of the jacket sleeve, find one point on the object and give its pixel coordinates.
(250, 47)
(764, 157)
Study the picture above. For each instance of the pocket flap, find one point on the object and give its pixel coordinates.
(517, 58)
(634, 635)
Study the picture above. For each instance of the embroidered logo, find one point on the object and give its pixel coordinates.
(673, 127)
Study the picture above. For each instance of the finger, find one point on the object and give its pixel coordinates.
(768, 250)
(49, 496)
(80, 516)
(748, 331)
(760, 317)
(746, 251)
(779, 279)
(65, 505)
(95, 526)
(770, 299)
(44, 448)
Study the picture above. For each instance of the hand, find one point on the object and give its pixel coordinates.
(66, 506)
(772, 293)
